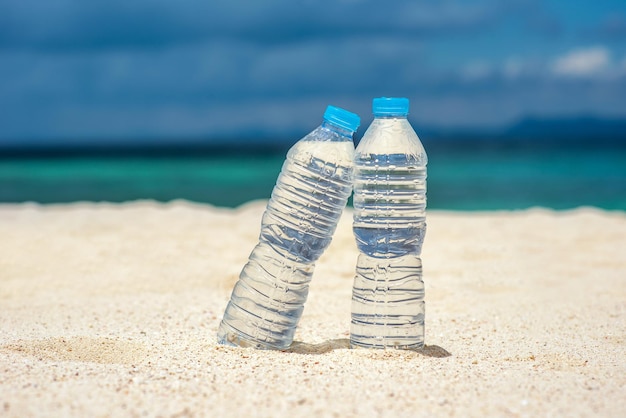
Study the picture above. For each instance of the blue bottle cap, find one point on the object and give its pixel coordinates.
(390, 106)
(342, 118)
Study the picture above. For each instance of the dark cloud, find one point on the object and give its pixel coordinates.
(611, 28)
(540, 21)
(115, 24)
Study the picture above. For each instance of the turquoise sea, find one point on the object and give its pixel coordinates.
(462, 175)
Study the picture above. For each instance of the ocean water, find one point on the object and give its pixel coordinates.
(462, 175)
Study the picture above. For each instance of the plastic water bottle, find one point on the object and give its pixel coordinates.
(389, 226)
(310, 194)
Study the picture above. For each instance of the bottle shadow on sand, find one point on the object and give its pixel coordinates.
(300, 347)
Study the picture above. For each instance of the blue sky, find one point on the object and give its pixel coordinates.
(78, 71)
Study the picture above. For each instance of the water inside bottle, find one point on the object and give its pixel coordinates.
(389, 227)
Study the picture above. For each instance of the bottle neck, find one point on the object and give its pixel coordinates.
(343, 132)
(390, 116)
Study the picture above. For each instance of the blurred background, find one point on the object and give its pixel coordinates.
(518, 103)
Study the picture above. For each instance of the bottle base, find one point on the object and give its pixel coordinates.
(229, 336)
(386, 343)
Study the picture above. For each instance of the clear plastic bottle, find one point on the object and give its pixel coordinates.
(389, 226)
(310, 194)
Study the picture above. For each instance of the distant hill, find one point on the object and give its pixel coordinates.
(584, 127)
(531, 132)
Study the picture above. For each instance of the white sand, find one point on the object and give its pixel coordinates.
(111, 310)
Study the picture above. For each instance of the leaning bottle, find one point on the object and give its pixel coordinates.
(301, 216)
(389, 227)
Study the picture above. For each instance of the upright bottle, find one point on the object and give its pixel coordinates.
(389, 226)
(310, 194)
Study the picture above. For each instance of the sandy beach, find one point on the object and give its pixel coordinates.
(112, 310)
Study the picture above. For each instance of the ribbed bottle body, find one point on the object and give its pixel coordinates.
(389, 227)
(301, 216)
